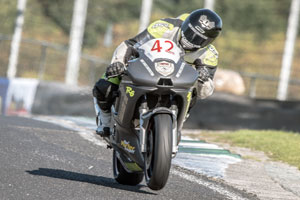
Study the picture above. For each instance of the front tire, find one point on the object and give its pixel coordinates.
(159, 152)
(124, 177)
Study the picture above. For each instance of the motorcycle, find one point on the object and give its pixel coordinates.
(149, 110)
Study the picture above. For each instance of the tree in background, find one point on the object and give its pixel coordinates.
(174, 8)
(100, 13)
(259, 17)
(7, 16)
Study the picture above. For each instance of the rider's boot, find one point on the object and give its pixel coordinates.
(103, 121)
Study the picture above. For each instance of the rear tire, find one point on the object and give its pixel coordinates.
(124, 177)
(159, 152)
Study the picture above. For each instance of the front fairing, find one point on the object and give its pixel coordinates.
(142, 72)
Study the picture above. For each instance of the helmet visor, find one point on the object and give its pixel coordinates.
(198, 40)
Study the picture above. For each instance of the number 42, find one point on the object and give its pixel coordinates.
(157, 46)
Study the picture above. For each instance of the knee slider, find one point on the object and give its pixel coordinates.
(103, 91)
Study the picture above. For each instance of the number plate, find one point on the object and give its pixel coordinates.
(161, 48)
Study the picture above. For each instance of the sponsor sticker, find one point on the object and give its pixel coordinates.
(200, 29)
(197, 32)
(127, 146)
(206, 23)
(165, 25)
(133, 166)
(180, 70)
(129, 91)
(165, 68)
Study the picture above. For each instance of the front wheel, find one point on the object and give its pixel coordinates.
(159, 151)
(124, 177)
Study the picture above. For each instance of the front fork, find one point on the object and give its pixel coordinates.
(145, 116)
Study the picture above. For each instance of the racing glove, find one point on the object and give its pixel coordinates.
(204, 74)
(115, 69)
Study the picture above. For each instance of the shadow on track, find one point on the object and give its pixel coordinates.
(97, 180)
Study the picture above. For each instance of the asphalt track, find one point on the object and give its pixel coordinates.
(40, 160)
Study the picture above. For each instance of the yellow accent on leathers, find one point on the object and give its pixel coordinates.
(158, 28)
(114, 80)
(210, 57)
(183, 16)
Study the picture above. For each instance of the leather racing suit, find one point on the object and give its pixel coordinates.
(168, 28)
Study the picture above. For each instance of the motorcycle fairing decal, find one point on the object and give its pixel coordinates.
(189, 98)
(127, 146)
(130, 91)
(180, 70)
(164, 68)
(161, 49)
(132, 166)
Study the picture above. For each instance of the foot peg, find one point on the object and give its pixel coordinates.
(104, 133)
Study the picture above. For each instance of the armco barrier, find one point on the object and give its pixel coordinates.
(219, 112)
(229, 112)
(58, 99)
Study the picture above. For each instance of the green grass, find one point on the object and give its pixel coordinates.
(278, 145)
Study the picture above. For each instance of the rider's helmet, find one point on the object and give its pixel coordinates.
(199, 29)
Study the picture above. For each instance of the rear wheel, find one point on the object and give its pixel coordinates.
(124, 177)
(159, 151)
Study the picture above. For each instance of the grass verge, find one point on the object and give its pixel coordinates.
(278, 145)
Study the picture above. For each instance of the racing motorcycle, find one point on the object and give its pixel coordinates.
(148, 113)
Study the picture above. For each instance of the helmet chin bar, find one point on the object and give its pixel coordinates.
(186, 45)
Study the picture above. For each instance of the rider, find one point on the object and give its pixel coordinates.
(193, 33)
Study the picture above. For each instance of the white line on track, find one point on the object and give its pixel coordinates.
(83, 132)
(210, 185)
(199, 145)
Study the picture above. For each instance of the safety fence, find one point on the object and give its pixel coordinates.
(47, 61)
(268, 86)
(42, 60)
